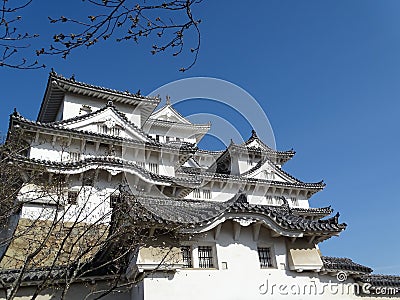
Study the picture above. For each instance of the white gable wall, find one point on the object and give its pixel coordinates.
(73, 103)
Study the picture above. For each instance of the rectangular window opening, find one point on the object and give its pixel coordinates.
(205, 257)
(196, 193)
(114, 200)
(73, 197)
(187, 256)
(264, 255)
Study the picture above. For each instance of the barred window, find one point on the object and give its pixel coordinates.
(269, 175)
(153, 168)
(141, 164)
(205, 257)
(269, 199)
(187, 256)
(295, 202)
(74, 156)
(206, 194)
(278, 200)
(196, 193)
(73, 197)
(104, 129)
(114, 200)
(264, 255)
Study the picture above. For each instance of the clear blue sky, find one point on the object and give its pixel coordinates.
(327, 74)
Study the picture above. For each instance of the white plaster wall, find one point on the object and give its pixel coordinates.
(73, 103)
(243, 279)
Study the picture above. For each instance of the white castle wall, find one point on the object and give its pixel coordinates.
(243, 278)
(73, 104)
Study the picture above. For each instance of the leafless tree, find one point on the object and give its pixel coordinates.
(63, 241)
(169, 24)
(12, 41)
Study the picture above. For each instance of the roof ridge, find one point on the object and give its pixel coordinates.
(83, 84)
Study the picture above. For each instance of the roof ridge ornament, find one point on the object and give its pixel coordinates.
(110, 103)
(253, 134)
(168, 100)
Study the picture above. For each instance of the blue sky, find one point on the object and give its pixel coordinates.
(326, 73)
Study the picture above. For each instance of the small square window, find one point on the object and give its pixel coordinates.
(265, 258)
(187, 256)
(205, 257)
(114, 200)
(73, 197)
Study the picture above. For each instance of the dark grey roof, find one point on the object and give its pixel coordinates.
(209, 175)
(377, 280)
(58, 86)
(105, 161)
(343, 264)
(315, 212)
(8, 276)
(199, 213)
(17, 118)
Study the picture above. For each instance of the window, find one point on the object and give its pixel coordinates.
(269, 199)
(187, 256)
(206, 194)
(269, 175)
(74, 156)
(157, 138)
(114, 200)
(153, 168)
(73, 197)
(205, 257)
(278, 200)
(104, 129)
(88, 179)
(295, 202)
(140, 164)
(264, 255)
(196, 193)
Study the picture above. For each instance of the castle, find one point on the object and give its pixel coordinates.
(116, 198)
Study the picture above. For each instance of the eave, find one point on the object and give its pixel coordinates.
(58, 87)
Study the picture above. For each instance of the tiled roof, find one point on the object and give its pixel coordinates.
(32, 275)
(343, 264)
(377, 280)
(58, 86)
(73, 82)
(318, 212)
(108, 161)
(208, 175)
(199, 213)
(16, 117)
